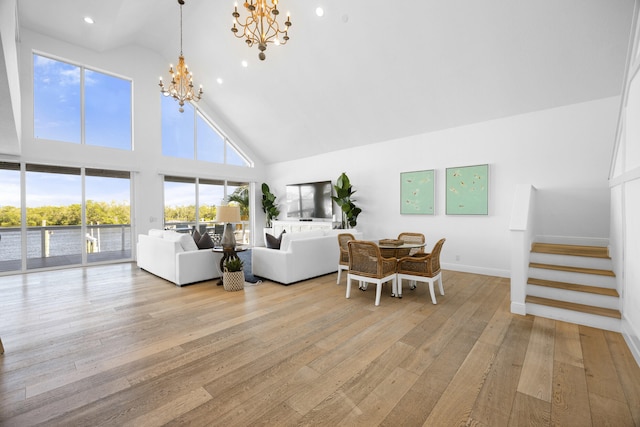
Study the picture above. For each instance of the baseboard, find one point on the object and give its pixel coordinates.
(518, 308)
(631, 338)
(477, 270)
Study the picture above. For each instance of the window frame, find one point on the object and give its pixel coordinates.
(227, 142)
(82, 68)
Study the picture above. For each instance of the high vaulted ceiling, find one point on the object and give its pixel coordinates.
(368, 71)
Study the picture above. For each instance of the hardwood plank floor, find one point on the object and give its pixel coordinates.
(114, 345)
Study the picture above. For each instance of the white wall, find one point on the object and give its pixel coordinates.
(143, 67)
(10, 117)
(625, 200)
(563, 152)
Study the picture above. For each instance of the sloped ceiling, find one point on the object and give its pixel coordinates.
(368, 71)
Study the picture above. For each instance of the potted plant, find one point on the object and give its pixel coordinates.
(269, 206)
(344, 192)
(233, 275)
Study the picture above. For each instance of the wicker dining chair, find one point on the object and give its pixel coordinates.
(368, 266)
(407, 237)
(422, 268)
(343, 261)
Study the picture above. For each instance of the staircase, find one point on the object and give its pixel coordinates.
(574, 284)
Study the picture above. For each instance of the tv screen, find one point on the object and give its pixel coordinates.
(310, 200)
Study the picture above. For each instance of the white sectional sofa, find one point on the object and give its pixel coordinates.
(301, 256)
(176, 257)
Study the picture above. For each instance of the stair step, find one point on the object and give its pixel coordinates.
(574, 287)
(575, 250)
(599, 311)
(573, 269)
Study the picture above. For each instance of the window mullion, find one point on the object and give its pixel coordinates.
(82, 107)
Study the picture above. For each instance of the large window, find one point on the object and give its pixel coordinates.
(107, 215)
(54, 216)
(179, 202)
(74, 104)
(190, 135)
(191, 202)
(63, 224)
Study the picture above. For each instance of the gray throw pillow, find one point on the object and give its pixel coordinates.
(196, 236)
(273, 242)
(205, 242)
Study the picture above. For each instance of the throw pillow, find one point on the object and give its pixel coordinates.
(205, 242)
(187, 242)
(272, 241)
(196, 236)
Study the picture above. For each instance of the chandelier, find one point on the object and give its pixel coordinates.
(260, 26)
(181, 86)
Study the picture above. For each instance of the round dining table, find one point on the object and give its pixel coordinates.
(397, 251)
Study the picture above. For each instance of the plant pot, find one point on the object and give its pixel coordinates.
(233, 280)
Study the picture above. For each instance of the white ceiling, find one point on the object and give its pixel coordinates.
(368, 71)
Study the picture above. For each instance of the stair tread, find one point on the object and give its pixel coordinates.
(583, 270)
(574, 250)
(589, 309)
(574, 287)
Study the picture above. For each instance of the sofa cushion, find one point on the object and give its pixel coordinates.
(185, 240)
(156, 232)
(287, 238)
(205, 241)
(273, 242)
(196, 236)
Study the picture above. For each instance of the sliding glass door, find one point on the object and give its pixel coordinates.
(54, 216)
(10, 218)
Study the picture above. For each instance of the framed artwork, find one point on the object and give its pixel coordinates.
(468, 190)
(417, 192)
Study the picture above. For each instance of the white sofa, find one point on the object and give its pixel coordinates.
(301, 256)
(176, 257)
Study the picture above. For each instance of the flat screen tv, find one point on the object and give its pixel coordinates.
(311, 200)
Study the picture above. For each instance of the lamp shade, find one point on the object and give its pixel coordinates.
(228, 214)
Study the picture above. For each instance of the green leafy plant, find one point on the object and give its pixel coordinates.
(269, 206)
(241, 197)
(233, 264)
(343, 198)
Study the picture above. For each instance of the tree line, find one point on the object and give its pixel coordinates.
(97, 213)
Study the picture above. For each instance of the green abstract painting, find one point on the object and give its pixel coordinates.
(468, 190)
(417, 192)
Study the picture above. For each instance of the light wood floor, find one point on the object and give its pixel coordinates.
(114, 345)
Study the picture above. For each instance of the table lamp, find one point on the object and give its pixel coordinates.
(229, 215)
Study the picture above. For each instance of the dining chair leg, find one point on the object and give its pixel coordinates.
(432, 292)
(348, 286)
(378, 292)
(339, 271)
(440, 284)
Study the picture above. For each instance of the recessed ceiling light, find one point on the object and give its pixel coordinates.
(219, 80)
(88, 20)
(245, 64)
(319, 11)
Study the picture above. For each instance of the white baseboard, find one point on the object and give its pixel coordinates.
(518, 308)
(477, 270)
(632, 339)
